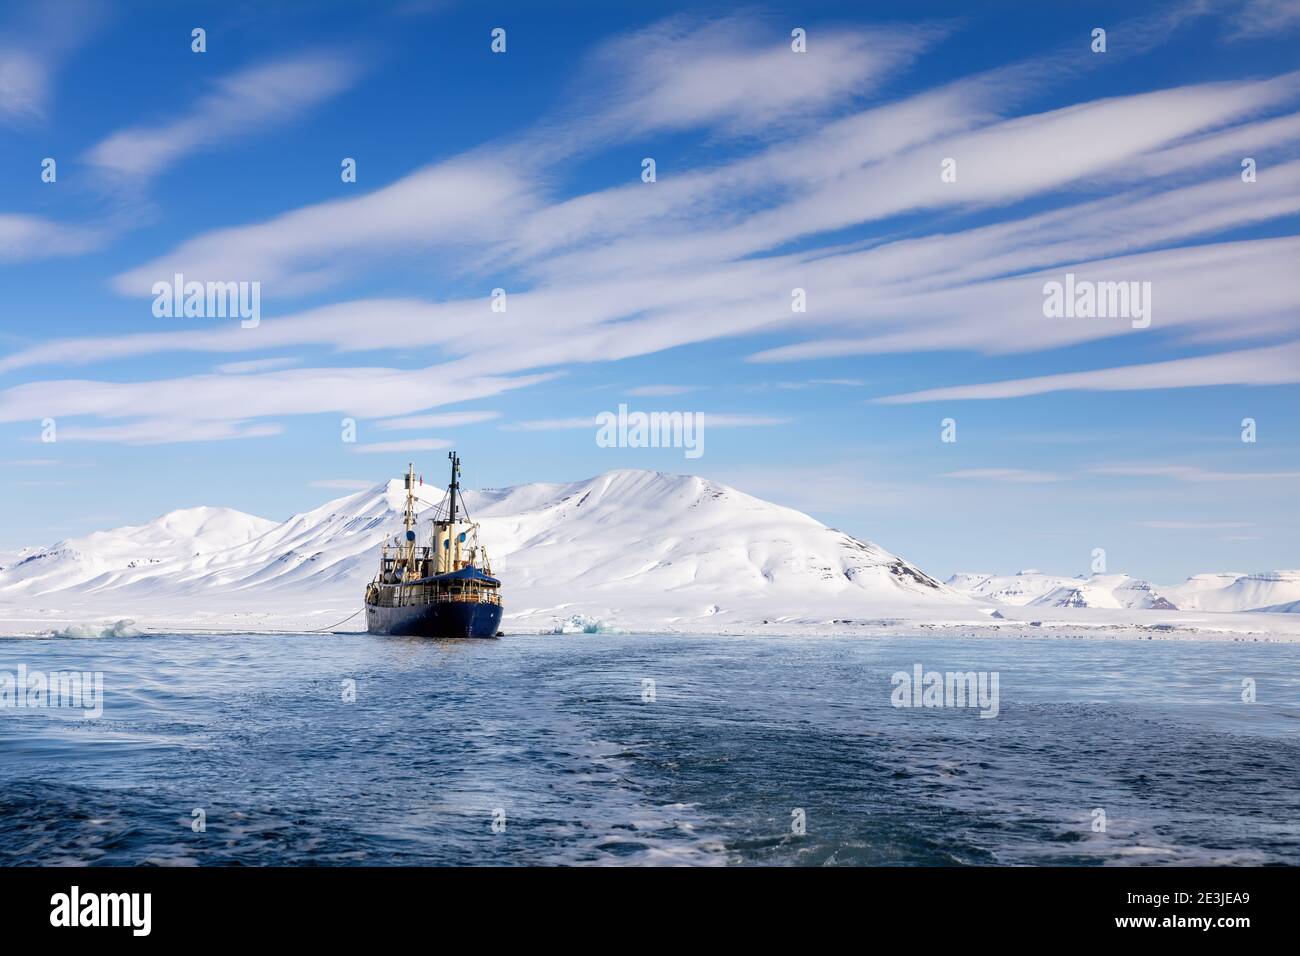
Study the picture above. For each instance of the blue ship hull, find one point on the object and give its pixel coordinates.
(439, 619)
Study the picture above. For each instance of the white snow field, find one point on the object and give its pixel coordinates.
(624, 551)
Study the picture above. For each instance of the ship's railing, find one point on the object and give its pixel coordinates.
(401, 595)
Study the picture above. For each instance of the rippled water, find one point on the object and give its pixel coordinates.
(554, 731)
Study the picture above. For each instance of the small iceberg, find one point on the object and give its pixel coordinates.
(582, 624)
(122, 628)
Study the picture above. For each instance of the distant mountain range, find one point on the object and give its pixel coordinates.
(633, 546)
(626, 549)
(1265, 591)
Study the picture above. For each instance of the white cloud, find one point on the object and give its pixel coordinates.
(743, 421)
(1190, 473)
(550, 424)
(709, 419)
(693, 223)
(220, 402)
(414, 444)
(252, 98)
(255, 365)
(635, 269)
(443, 420)
(1193, 525)
(819, 383)
(656, 390)
(682, 73)
(451, 203)
(158, 431)
(1013, 475)
(25, 237)
(33, 44)
(877, 165)
(22, 84)
(1265, 18)
(1272, 365)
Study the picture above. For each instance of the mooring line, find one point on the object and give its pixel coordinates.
(332, 626)
(227, 630)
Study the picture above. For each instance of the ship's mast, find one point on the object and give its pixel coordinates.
(455, 484)
(453, 538)
(410, 514)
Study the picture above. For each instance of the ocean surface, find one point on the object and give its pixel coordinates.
(560, 750)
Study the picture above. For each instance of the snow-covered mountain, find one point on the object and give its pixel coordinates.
(108, 558)
(1109, 591)
(1187, 593)
(1271, 591)
(1237, 592)
(9, 558)
(1024, 587)
(632, 548)
(627, 549)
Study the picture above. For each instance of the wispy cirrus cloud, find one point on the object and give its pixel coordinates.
(1190, 473)
(1271, 365)
(34, 42)
(164, 431)
(388, 447)
(709, 419)
(1264, 18)
(551, 424)
(714, 250)
(678, 74)
(651, 391)
(315, 246)
(242, 102)
(256, 365)
(1013, 475)
(22, 84)
(1193, 525)
(728, 73)
(24, 237)
(820, 383)
(900, 279)
(219, 406)
(441, 420)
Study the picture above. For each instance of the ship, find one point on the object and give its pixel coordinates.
(442, 589)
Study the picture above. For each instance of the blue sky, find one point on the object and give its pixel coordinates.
(774, 170)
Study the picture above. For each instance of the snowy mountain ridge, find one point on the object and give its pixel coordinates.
(631, 550)
(1226, 591)
(626, 545)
